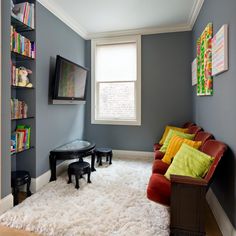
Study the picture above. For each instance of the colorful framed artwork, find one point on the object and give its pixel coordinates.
(220, 51)
(194, 72)
(204, 62)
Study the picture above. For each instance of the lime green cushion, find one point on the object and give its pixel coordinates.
(172, 133)
(189, 162)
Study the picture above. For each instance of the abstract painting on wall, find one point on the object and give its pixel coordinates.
(220, 51)
(204, 62)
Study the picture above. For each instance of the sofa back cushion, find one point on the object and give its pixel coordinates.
(174, 146)
(172, 133)
(167, 128)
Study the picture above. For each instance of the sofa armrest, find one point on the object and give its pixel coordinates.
(158, 155)
(157, 146)
(187, 206)
(180, 179)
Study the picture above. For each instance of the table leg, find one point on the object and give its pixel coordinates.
(53, 163)
(92, 162)
(28, 192)
(110, 158)
(15, 195)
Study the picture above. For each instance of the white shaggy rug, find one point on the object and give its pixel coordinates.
(115, 204)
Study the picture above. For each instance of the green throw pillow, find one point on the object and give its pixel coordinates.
(189, 162)
(170, 134)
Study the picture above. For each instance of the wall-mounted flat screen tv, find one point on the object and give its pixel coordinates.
(70, 81)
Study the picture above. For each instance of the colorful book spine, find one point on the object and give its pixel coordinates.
(21, 44)
(19, 109)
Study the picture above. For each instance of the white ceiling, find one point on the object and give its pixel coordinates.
(99, 18)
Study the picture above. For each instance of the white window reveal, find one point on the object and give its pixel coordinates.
(116, 81)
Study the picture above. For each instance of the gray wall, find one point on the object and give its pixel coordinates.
(166, 94)
(55, 124)
(5, 113)
(217, 113)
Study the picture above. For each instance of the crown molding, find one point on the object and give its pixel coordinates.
(142, 31)
(64, 17)
(75, 26)
(195, 12)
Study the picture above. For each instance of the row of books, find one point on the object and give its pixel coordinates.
(20, 140)
(21, 44)
(24, 12)
(19, 109)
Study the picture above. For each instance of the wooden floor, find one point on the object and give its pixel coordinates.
(212, 228)
(5, 231)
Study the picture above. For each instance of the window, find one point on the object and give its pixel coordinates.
(116, 81)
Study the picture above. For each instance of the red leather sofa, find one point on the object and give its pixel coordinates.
(185, 195)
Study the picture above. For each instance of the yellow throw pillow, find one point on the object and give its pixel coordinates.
(174, 146)
(167, 130)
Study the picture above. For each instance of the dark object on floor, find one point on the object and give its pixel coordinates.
(77, 149)
(19, 178)
(78, 169)
(103, 152)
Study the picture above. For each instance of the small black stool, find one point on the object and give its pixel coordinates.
(78, 169)
(19, 178)
(104, 152)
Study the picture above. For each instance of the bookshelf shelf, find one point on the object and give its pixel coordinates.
(20, 26)
(20, 87)
(30, 117)
(24, 150)
(20, 57)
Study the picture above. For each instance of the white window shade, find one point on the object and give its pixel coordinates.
(116, 81)
(117, 62)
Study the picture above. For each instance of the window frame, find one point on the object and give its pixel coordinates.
(94, 89)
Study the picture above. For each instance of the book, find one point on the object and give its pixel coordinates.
(24, 12)
(13, 142)
(27, 131)
(19, 11)
(23, 137)
(19, 109)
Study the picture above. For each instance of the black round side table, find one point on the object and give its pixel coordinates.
(19, 178)
(104, 152)
(78, 169)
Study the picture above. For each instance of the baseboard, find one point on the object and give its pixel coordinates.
(222, 219)
(132, 154)
(6, 203)
(39, 182)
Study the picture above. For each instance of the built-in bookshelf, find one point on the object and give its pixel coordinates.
(23, 82)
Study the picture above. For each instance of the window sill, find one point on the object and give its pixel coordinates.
(116, 122)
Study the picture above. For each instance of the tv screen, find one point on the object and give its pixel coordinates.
(70, 80)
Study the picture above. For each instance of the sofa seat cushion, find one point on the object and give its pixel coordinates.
(159, 189)
(156, 146)
(159, 167)
(158, 155)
